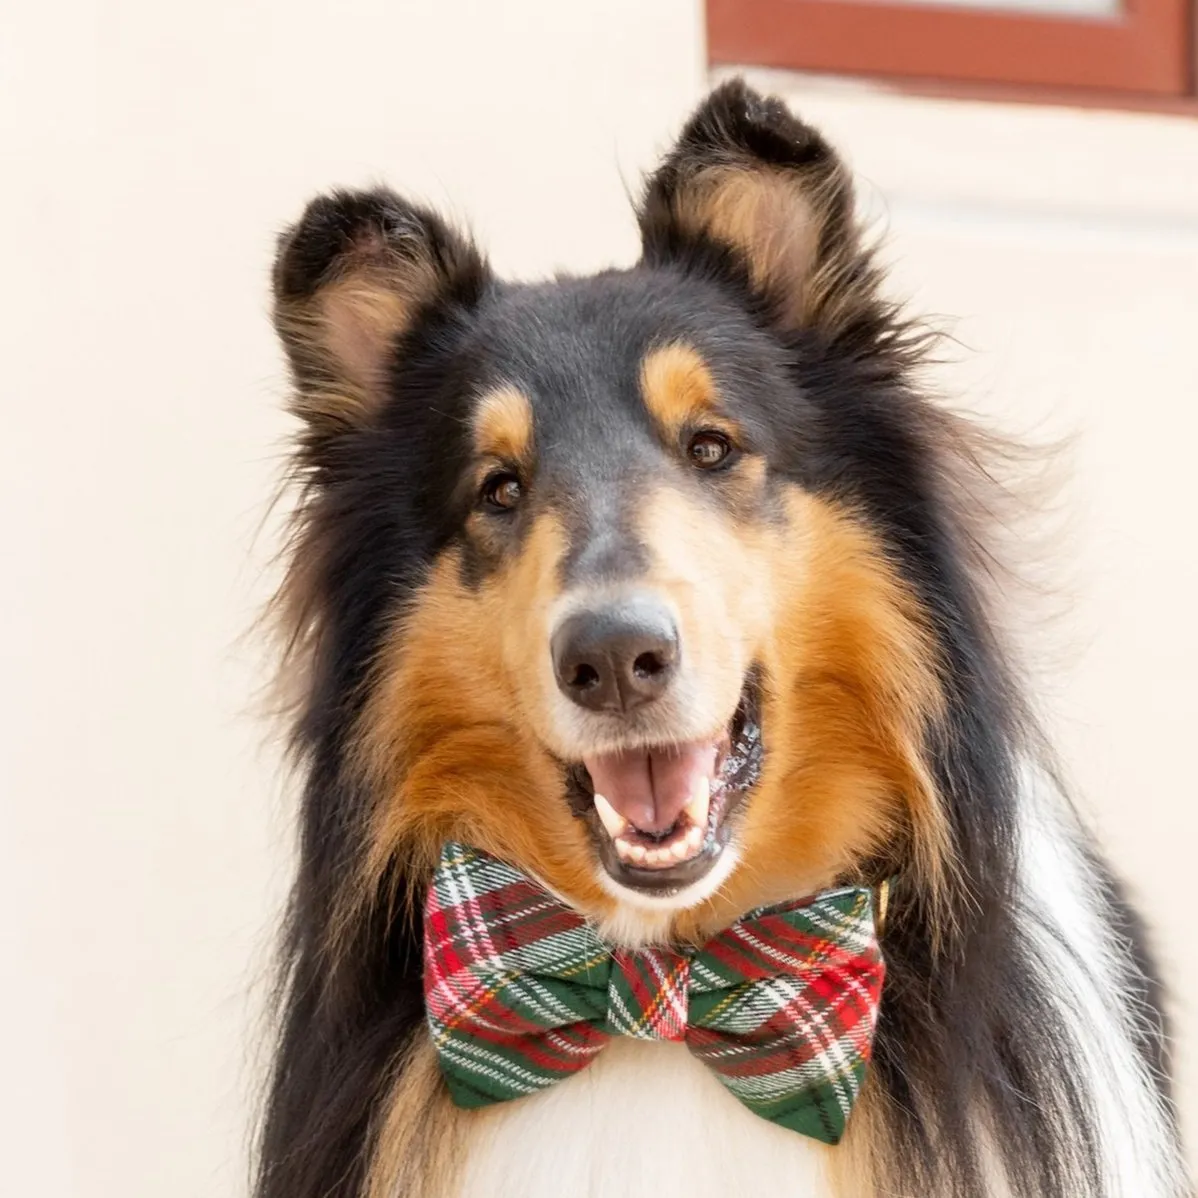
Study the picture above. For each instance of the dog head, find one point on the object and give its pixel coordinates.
(602, 575)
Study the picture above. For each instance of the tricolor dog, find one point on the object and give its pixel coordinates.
(673, 822)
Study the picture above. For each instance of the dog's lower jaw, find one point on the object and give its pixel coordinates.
(641, 917)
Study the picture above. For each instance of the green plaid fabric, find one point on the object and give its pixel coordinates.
(521, 993)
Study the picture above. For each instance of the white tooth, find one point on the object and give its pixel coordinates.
(637, 852)
(680, 848)
(694, 838)
(612, 820)
(700, 800)
(623, 848)
(655, 856)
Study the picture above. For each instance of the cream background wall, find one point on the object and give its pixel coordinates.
(149, 154)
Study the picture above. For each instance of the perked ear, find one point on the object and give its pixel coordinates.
(351, 277)
(751, 178)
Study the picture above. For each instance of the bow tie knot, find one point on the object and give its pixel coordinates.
(647, 994)
(521, 992)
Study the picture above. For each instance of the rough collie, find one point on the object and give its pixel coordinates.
(650, 707)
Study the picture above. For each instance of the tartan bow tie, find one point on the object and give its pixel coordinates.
(521, 993)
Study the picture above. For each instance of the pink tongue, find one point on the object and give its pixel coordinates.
(650, 787)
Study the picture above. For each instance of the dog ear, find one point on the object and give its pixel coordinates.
(354, 275)
(749, 179)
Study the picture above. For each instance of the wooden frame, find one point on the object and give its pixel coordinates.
(1146, 50)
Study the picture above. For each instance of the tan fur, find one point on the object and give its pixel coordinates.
(418, 1140)
(773, 219)
(859, 1161)
(339, 338)
(856, 687)
(677, 386)
(503, 426)
(853, 685)
(447, 737)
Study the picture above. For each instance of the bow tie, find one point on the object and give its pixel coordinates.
(521, 993)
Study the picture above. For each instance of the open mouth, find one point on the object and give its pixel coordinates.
(660, 814)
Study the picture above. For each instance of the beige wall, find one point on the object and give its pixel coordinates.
(148, 156)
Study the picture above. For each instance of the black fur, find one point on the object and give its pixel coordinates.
(965, 1025)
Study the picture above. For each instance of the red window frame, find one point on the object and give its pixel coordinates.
(1146, 50)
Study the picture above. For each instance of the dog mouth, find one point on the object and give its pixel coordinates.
(659, 814)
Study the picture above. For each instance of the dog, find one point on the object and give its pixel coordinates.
(655, 609)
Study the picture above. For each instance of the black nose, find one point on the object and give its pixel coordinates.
(617, 657)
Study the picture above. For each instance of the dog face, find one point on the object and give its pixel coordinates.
(592, 567)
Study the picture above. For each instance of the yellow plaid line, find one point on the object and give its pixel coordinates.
(481, 1000)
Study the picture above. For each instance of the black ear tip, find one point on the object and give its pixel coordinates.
(738, 119)
(735, 100)
(331, 227)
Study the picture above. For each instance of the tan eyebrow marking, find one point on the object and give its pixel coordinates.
(503, 426)
(677, 386)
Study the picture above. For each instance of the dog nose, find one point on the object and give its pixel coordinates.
(617, 657)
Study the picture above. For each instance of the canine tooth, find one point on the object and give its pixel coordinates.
(680, 848)
(696, 809)
(611, 819)
(694, 838)
(623, 848)
(637, 852)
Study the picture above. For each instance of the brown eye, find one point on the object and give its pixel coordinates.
(708, 449)
(502, 491)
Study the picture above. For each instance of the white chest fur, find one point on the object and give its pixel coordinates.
(645, 1118)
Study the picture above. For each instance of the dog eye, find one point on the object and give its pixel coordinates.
(708, 448)
(502, 490)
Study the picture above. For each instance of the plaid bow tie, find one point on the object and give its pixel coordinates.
(521, 993)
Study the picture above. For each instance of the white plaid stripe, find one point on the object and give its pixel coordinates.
(473, 1058)
(833, 1060)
